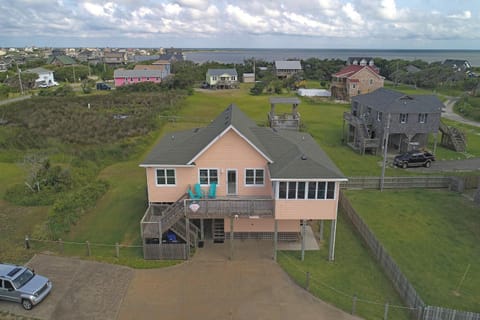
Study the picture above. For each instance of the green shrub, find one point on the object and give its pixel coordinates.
(68, 209)
(21, 195)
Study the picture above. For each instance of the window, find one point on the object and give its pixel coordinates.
(165, 177)
(292, 190)
(282, 190)
(306, 190)
(371, 81)
(379, 116)
(369, 110)
(7, 285)
(353, 85)
(422, 118)
(254, 177)
(208, 176)
(403, 117)
(148, 78)
(214, 78)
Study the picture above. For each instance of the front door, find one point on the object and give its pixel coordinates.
(231, 182)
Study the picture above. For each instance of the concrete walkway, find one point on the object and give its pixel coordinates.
(448, 113)
(20, 98)
(251, 286)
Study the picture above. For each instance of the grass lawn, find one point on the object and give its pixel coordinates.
(354, 272)
(433, 236)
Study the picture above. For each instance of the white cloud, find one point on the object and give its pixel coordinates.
(388, 9)
(254, 24)
(465, 15)
(106, 10)
(349, 10)
(196, 4)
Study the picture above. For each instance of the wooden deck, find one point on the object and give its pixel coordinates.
(227, 207)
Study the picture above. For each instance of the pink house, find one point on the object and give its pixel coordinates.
(125, 77)
(235, 180)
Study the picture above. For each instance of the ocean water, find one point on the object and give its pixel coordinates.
(239, 55)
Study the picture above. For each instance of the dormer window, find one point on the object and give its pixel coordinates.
(403, 117)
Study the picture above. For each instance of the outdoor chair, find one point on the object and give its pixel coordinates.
(198, 191)
(212, 193)
(192, 195)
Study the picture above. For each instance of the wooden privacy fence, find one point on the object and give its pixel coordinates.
(397, 182)
(400, 282)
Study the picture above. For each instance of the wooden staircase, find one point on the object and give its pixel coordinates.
(453, 138)
(218, 230)
(173, 218)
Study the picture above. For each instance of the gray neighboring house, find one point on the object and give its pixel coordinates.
(222, 78)
(408, 119)
(285, 69)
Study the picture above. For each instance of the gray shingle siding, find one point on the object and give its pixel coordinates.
(219, 72)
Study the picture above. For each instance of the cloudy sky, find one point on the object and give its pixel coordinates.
(369, 24)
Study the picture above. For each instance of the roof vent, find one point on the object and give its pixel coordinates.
(173, 137)
(304, 157)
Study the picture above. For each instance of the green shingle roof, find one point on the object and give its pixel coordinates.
(65, 60)
(290, 154)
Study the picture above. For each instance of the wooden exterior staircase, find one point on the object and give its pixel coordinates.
(361, 140)
(218, 230)
(453, 138)
(174, 218)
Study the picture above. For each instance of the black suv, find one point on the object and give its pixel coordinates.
(415, 158)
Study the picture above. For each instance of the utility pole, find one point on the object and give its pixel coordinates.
(386, 134)
(19, 79)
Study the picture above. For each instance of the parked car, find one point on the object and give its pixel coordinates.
(415, 158)
(103, 86)
(22, 285)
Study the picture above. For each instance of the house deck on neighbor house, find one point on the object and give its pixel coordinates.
(405, 121)
(235, 180)
(289, 121)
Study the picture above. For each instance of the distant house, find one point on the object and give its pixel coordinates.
(354, 80)
(236, 180)
(285, 69)
(45, 77)
(408, 120)
(222, 78)
(125, 77)
(114, 58)
(248, 77)
(161, 65)
(458, 65)
(61, 61)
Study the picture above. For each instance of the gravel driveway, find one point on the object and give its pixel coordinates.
(251, 286)
(81, 289)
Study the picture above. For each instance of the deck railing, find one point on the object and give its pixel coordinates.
(222, 208)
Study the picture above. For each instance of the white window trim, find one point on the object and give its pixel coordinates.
(208, 176)
(403, 117)
(165, 185)
(254, 177)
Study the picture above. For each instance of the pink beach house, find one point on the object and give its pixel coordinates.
(125, 77)
(235, 180)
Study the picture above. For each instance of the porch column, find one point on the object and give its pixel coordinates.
(187, 235)
(275, 239)
(231, 238)
(303, 239)
(202, 232)
(333, 231)
(321, 230)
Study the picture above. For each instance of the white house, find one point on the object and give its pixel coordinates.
(222, 78)
(45, 77)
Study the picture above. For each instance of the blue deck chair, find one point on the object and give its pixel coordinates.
(192, 195)
(212, 193)
(198, 191)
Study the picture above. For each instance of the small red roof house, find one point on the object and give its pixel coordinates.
(354, 80)
(235, 180)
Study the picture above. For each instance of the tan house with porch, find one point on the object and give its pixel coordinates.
(235, 180)
(354, 80)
